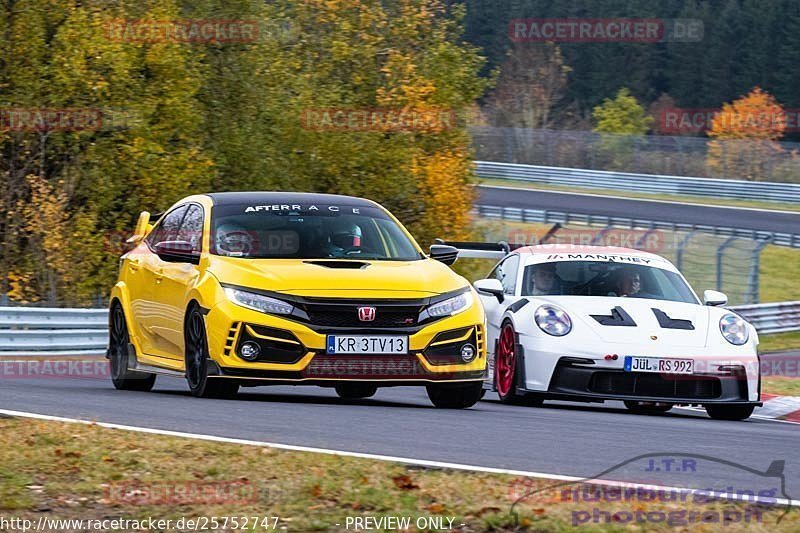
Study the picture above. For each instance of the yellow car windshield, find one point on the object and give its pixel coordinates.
(312, 231)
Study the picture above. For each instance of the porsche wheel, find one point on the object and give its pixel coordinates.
(647, 408)
(729, 412)
(200, 384)
(118, 339)
(455, 395)
(355, 391)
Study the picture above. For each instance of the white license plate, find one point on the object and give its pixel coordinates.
(659, 365)
(367, 344)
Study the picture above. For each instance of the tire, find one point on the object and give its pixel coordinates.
(729, 412)
(200, 384)
(645, 408)
(505, 366)
(355, 391)
(455, 395)
(118, 340)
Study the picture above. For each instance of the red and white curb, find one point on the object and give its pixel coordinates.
(785, 408)
(778, 408)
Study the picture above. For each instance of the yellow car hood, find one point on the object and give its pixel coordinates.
(331, 278)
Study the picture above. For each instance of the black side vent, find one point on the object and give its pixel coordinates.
(671, 323)
(355, 265)
(618, 317)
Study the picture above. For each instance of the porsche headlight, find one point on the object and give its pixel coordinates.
(451, 306)
(552, 320)
(258, 302)
(734, 329)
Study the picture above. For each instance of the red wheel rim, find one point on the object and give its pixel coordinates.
(505, 361)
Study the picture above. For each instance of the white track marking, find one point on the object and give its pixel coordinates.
(377, 457)
(614, 197)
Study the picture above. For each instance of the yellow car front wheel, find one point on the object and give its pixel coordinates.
(201, 385)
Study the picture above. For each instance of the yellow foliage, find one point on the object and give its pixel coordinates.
(755, 116)
(744, 136)
(443, 181)
(45, 218)
(20, 289)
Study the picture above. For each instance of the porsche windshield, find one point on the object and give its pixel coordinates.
(308, 232)
(602, 278)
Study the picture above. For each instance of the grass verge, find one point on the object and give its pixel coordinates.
(781, 385)
(779, 342)
(753, 204)
(61, 470)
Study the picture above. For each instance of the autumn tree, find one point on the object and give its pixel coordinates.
(181, 118)
(531, 82)
(744, 137)
(618, 120)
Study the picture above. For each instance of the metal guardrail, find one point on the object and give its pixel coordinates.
(545, 216)
(53, 331)
(781, 317)
(649, 183)
(26, 331)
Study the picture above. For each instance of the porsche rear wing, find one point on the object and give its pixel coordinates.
(481, 250)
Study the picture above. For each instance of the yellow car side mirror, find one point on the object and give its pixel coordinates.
(143, 227)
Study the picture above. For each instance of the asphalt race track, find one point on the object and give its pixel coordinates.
(559, 438)
(761, 220)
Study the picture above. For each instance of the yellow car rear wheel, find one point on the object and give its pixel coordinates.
(118, 346)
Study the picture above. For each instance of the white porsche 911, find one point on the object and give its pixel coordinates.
(593, 323)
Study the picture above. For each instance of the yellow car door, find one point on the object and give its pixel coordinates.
(175, 272)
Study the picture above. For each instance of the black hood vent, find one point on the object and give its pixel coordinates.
(671, 323)
(618, 317)
(353, 265)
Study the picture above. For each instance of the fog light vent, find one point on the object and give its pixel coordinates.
(249, 351)
(468, 353)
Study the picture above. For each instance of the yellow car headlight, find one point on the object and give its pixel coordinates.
(451, 306)
(258, 302)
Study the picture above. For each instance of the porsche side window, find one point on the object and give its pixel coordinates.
(167, 229)
(510, 267)
(192, 228)
(506, 273)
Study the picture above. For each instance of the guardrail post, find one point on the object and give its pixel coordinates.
(720, 257)
(598, 239)
(681, 246)
(753, 280)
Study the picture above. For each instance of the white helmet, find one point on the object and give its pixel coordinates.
(234, 240)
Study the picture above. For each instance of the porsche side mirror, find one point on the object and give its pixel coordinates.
(176, 252)
(491, 287)
(714, 298)
(444, 253)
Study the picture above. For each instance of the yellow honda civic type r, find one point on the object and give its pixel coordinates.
(256, 288)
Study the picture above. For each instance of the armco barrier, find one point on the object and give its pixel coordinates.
(649, 183)
(545, 216)
(778, 317)
(27, 331)
(52, 331)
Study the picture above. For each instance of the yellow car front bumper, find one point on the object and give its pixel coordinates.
(294, 351)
